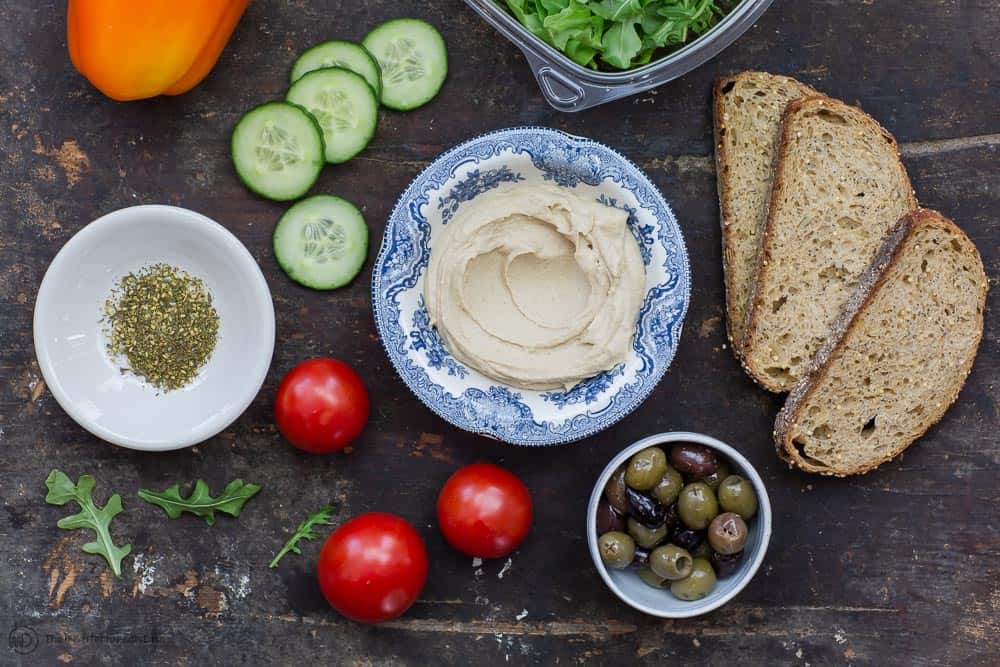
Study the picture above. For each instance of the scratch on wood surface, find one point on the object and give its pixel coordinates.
(69, 156)
(212, 601)
(836, 609)
(579, 628)
(431, 445)
(688, 163)
(410, 164)
(920, 148)
(708, 326)
(981, 620)
(37, 390)
(186, 586)
(25, 384)
(44, 173)
(62, 571)
(107, 582)
(600, 631)
(685, 164)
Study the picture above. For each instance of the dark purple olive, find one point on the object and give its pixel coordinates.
(687, 538)
(644, 509)
(641, 557)
(695, 461)
(614, 491)
(608, 520)
(727, 533)
(723, 565)
(672, 519)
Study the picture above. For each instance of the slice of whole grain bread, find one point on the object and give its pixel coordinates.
(839, 187)
(747, 111)
(898, 356)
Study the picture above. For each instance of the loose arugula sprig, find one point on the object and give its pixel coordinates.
(98, 519)
(622, 33)
(304, 532)
(200, 502)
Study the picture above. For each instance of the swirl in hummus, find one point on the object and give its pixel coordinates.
(535, 286)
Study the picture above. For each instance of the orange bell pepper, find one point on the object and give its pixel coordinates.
(132, 49)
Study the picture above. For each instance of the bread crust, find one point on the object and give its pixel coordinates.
(764, 254)
(871, 283)
(722, 185)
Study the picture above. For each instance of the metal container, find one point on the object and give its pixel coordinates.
(571, 87)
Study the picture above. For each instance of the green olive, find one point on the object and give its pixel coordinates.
(646, 469)
(721, 472)
(737, 495)
(671, 562)
(653, 579)
(669, 487)
(614, 491)
(617, 549)
(647, 538)
(698, 584)
(697, 505)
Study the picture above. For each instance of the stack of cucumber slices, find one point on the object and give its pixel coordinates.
(329, 115)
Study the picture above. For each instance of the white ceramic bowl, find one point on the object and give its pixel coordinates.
(626, 583)
(70, 341)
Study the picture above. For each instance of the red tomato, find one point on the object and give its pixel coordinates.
(373, 567)
(321, 406)
(484, 511)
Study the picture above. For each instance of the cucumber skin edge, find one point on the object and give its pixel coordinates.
(316, 287)
(444, 46)
(254, 189)
(378, 69)
(378, 103)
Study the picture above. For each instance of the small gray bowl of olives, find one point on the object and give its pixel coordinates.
(678, 524)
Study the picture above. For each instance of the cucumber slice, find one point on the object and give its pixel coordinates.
(278, 150)
(343, 104)
(337, 53)
(321, 242)
(414, 61)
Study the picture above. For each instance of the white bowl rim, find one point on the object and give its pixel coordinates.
(122, 217)
(764, 515)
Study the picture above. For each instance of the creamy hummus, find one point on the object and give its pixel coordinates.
(536, 286)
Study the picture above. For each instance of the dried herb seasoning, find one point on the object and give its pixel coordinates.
(161, 321)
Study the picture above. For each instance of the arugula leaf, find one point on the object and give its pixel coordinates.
(621, 44)
(551, 6)
(200, 502)
(582, 54)
(621, 33)
(618, 10)
(98, 519)
(527, 18)
(575, 21)
(304, 532)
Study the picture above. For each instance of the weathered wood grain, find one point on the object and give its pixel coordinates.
(899, 567)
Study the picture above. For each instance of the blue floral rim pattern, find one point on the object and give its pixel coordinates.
(464, 397)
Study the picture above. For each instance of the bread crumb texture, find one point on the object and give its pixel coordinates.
(903, 359)
(749, 107)
(839, 189)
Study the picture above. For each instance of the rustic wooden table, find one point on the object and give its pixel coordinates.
(896, 567)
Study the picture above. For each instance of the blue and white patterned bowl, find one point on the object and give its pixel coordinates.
(469, 399)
